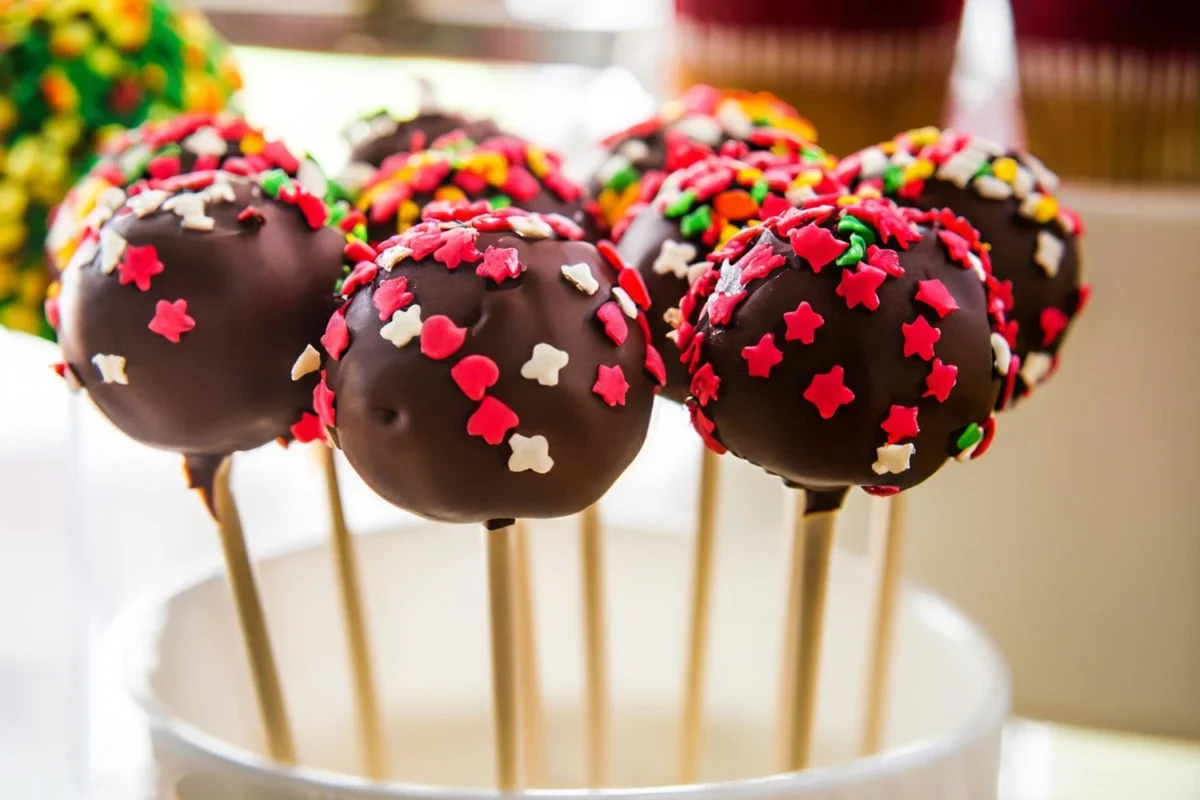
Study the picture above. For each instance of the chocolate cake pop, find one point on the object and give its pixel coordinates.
(696, 211)
(1009, 197)
(848, 345)
(156, 152)
(376, 136)
(703, 122)
(490, 368)
(503, 171)
(190, 317)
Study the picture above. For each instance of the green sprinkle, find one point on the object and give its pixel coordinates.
(970, 437)
(681, 204)
(893, 179)
(854, 254)
(500, 201)
(984, 169)
(272, 181)
(813, 154)
(360, 231)
(759, 192)
(852, 224)
(623, 178)
(696, 222)
(337, 213)
(761, 122)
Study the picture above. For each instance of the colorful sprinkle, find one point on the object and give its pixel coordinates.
(761, 357)
(404, 325)
(545, 363)
(529, 453)
(611, 385)
(474, 375)
(615, 326)
(802, 323)
(828, 392)
(440, 337)
(934, 294)
(307, 362)
(111, 368)
(940, 380)
(171, 320)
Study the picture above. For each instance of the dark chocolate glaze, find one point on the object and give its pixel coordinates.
(769, 422)
(402, 419)
(258, 294)
(426, 126)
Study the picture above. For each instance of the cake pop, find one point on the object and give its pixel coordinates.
(503, 171)
(695, 212)
(872, 328)
(190, 316)
(1009, 197)
(703, 122)
(71, 73)
(156, 152)
(376, 136)
(490, 367)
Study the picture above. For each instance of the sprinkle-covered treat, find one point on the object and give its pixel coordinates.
(71, 73)
(696, 211)
(192, 316)
(376, 136)
(157, 152)
(490, 367)
(504, 171)
(1009, 197)
(688, 129)
(847, 345)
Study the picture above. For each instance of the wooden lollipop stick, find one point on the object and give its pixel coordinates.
(692, 721)
(595, 651)
(813, 537)
(366, 698)
(504, 653)
(532, 714)
(889, 518)
(280, 745)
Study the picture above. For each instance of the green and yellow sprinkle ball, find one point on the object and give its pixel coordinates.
(72, 73)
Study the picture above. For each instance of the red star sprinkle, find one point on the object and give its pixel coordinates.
(631, 281)
(357, 250)
(828, 392)
(934, 294)
(705, 384)
(919, 338)
(323, 402)
(654, 364)
(440, 337)
(459, 246)
(691, 353)
(802, 323)
(1000, 291)
(901, 423)
(611, 385)
(280, 156)
(314, 209)
(1054, 322)
(614, 322)
(391, 296)
(956, 246)
(171, 320)
(1008, 329)
(706, 428)
(475, 375)
(760, 262)
(499, 264)
(337, 335)
(940, 380)
(721, 306)
(139, 266)
(772, 206)
(861, 286)
(422, 240)
(1085, 294)
(165, 166)
(308, 429)
(886, 260)
(816, 245)
(363, 273)
(491, 420)
(762, 357)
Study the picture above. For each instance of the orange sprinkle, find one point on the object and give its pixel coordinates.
(736, 204)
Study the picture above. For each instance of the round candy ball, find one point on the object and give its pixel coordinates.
(696, 211)
(490, 369)
(1009, 197)
(376, 136)
(503, 171)
(71, 73)
(704, 121)
(192, 315)
(849, 345)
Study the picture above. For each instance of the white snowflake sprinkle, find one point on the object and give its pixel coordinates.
(312, 177)
(219, 191)
(545, 364)
(1029, 205)
(530, 227)
(992, 188)
(190, 207)
(206, 141)
(1049, 253)
(701, 128)
(961, 167)
(112, 247)
(1001, 354)
(529, 452)
(392, 256)
(133, 161)
(111, 367)
(634, 149)
(872, 163)
(736, 122)
(674, 258)
(1036, 367)
(83, 254)
(796, 195)
(95, 218)
(112, 198)
(730, 281)
(1042, 173)
(1023, 183)
(893, 458)
(309, 361)
(625, 302)
(404, 326)
(611, 166)
(147, 202)
(977, 266)
(580, 275)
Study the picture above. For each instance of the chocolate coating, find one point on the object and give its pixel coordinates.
(646, 229)
(258, 293)
(377, 136)
(838, 388)
(1043, 293)
(402, 415)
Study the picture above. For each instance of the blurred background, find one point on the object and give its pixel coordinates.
(1076, 543)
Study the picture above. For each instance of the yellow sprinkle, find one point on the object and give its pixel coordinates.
(800, 127)
(539, 165)
(847, 200)
(919, 170)
(888, 148)
(409, 213)
(607, 200)
(748, 176)
(449, 194)
(923, 136)
(367, 198)
(727, 233)
(1046, 210)
(810, 177)
(1005, 169)
(252, 143)
(868, 191)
